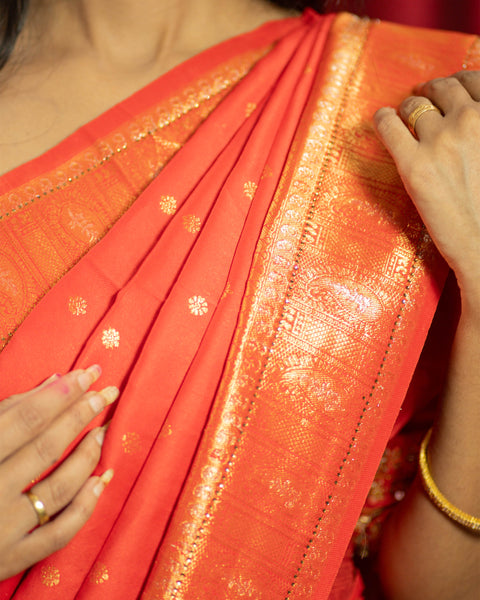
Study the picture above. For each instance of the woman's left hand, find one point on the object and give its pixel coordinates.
(440, 168)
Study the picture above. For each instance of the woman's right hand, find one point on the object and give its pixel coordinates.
(35, 429)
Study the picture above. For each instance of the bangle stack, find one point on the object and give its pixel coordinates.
(459, 516)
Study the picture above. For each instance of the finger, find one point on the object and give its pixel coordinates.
(471, 82)
(31, 414)
(59, 488)
(46, 449)
(425, 125)
(12, 400)
(447, 93)
(55, 535)
(394, 134)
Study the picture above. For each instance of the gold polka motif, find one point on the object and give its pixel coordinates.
(131, 442)
(267, 172)
(168, 205)
(251, 106)
(166, 431)
(197, 305)
(249, 189)
(111, 338)
(227, 291)
(77, 306)
(98, 574)
(50, 576)
(191, 223)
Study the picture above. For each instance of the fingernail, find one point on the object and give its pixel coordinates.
(100, 436)
(105, 479)
(88, 376)
(48, 382)
(97, 403)
(107, 476)
(99, 400)
(110, 394)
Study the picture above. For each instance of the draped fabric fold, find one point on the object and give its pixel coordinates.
(271, 253)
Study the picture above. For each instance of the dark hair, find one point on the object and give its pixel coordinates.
(12, 17)
(13, 12)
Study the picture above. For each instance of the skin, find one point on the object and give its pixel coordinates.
(441, 172)
(35, 429)
(70, 47)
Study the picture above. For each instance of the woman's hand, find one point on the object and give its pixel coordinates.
(441, 168)
(35, 429)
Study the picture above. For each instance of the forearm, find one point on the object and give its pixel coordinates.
(424, 554)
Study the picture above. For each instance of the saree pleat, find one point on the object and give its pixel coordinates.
(232, 304)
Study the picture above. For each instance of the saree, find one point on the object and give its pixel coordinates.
(234, 247)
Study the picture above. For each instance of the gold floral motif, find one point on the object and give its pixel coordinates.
(168, 205)
(86, 228)
(166, 431)
(50, 576)
(191, 223)
(98, 574)
(267, 172)
(197, 305)
(111, 338)
(251, 106)
(243, 587)
(227, 291)
(472, 60)
(77, 306)
(249, 189)
(131, 442)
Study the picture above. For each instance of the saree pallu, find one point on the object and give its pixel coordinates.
(234, 247)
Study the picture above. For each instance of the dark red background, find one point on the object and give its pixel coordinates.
(461, 15)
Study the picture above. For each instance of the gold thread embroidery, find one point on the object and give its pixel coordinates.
(111, 338)
(267, 172)
(191, 223)
(193, 103)
(249, 189)
(50, 576)
(224, 77)
(197, 305)
(77, 306)
(227, 291)
(168, 205)
(166, 431)
(472, 59)
(131, 442)
(99, 574)
(251, 106)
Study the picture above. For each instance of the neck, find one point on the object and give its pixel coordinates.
(129, 34)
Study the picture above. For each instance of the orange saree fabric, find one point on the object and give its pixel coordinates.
(262, 305)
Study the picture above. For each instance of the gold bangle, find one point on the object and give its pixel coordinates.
(436, 496)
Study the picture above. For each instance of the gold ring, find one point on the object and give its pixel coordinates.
(38, 507)
(417, 113)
